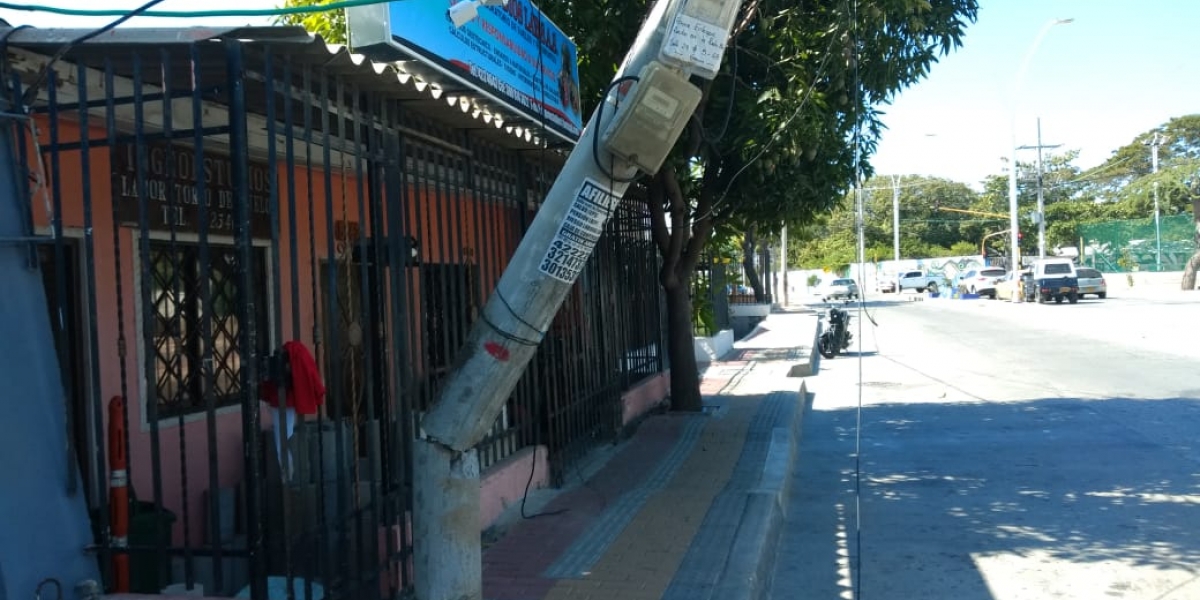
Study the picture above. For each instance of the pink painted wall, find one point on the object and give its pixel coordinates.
(504, 483)
(107, 326)
(191, 439)
(644, 396)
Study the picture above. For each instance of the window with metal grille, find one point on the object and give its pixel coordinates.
(194, 315)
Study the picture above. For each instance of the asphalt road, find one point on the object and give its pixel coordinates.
(1007, 452)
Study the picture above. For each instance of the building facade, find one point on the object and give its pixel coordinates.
(228, 222)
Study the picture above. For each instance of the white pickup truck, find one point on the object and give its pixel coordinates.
(920, 281)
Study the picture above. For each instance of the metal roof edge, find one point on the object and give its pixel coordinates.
(483, 109)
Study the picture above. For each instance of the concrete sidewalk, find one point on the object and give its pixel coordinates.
(688, 507)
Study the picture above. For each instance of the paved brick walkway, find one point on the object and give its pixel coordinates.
(629, 531)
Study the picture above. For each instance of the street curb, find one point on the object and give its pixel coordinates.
(809, 367)
(752, 554)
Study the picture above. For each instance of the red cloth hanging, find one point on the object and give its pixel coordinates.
(305, 389)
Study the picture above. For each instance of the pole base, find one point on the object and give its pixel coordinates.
(448, 559)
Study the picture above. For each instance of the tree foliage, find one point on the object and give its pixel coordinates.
(1122, 188)
(925, 229)
(330, 25)
(1112, 181)
(781, 133)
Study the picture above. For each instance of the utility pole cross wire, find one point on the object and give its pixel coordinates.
(1041, 201)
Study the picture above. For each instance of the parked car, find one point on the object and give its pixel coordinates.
(885, 285)
(840, 289)
(1091, 281)
(1056, 279)
(1011, 284)
(920, 281)
(981, 281)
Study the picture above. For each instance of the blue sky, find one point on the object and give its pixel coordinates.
(1122, 67)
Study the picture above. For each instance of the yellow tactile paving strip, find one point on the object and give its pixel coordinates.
(641, 562)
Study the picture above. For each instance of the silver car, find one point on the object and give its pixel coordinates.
(1092, 281)
(840, 289)
(982, 282)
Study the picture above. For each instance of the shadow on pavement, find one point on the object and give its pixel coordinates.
(959, 498)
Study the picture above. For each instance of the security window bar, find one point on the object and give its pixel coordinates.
(181, 355)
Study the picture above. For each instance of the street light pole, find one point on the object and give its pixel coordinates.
(1155, 142)
(1041, 211)
(1014, 225)
(896, 217)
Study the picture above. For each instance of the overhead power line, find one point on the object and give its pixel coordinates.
(193, 14)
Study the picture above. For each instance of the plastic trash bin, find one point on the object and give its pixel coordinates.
(149, 527)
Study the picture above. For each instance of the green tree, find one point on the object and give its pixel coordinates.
(1126, 183)
(963, 248)
(330, 25)
(776, 139)
(925, 231)
(1108, 181)
(1060, 183)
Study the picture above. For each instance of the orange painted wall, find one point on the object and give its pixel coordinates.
(490, 232)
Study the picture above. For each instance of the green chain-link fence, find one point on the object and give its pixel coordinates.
(1122, 246)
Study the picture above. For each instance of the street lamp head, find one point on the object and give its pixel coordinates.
(1064, 21)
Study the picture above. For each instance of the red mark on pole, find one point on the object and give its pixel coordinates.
(496, 350)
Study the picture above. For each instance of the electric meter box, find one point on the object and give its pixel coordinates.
(696, 36)
(647, 124)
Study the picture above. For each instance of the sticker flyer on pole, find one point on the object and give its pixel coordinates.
(579, 231)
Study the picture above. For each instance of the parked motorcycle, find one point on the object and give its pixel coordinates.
(837, 337)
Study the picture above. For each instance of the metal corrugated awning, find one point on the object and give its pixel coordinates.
(443, 100)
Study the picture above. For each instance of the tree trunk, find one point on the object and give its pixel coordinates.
(1189, 272)
(749, 250)
(768, 274)
(680, 247)
(685, 373)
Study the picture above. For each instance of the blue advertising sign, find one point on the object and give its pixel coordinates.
(513, 53)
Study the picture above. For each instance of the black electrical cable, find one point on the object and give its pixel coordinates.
(720, 201)
(858, 548)
(537, 430)
(506, 335)
(733, 56)
(4, 51)
(529, 482)
(596, 134)
(32, 92)
(515, 315)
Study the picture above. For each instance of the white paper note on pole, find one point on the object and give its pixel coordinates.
(697, 43)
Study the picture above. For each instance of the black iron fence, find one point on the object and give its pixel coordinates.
(272, 254)
(712, 292)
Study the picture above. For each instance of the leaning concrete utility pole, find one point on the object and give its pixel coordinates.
(644, 113)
